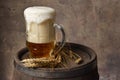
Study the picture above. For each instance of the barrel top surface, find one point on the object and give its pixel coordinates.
(89, 62)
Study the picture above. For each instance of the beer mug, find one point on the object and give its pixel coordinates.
(41, 32)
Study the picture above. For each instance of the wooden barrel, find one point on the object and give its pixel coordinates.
(87, 70)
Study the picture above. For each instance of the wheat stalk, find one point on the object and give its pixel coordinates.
(62, 59)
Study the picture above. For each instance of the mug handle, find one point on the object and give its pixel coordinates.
(62, 43)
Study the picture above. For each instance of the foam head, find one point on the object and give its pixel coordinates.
(39, 24)
(38, 14)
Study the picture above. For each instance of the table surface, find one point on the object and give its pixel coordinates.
(94, 23)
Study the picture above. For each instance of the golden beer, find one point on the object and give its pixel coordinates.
(38, 50)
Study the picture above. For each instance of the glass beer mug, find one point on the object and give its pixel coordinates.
(40, 31)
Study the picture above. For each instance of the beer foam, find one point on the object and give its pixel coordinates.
(39, 24)
(38, 14)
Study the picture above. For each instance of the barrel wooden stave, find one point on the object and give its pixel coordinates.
(87, 71)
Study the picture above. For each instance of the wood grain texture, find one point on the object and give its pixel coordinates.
(94, 23)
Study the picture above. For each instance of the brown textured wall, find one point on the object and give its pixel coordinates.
(94, 23)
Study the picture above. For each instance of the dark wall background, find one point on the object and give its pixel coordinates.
(94, 23)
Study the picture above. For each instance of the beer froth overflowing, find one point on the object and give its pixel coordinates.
(39, 24)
